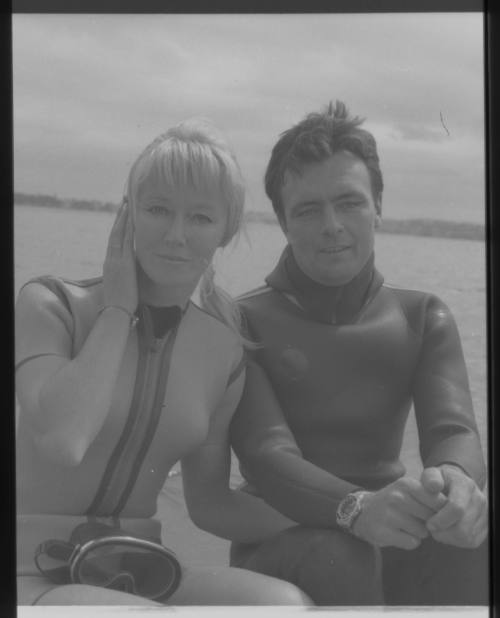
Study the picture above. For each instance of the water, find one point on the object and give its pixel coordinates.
(72, 243)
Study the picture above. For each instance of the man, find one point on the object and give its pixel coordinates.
(342, 357)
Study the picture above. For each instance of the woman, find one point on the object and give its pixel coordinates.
(121, 376)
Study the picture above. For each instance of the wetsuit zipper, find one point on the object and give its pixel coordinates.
(149, 347)
(161, 380)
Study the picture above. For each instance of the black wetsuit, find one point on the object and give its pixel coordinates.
(345, 365)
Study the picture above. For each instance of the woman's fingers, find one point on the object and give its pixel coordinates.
(119, 270)
(128, 235)
(116, 237)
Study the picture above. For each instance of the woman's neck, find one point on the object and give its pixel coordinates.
(156, 295)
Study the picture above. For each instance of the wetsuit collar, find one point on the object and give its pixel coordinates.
(328, 304)
(158, 321)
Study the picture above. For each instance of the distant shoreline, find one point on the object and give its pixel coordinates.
(414, 227)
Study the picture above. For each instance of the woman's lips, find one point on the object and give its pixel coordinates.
(172, 258)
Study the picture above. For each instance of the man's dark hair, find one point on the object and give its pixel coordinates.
(316, 138)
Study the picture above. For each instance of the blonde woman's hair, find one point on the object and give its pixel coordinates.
(194, 154)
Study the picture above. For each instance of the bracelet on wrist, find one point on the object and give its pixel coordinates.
(132, 318)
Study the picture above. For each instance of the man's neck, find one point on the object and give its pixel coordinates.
(329, 304)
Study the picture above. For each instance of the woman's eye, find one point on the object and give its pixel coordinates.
(201, 218)
(156, 209)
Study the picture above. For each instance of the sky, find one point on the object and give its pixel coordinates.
(91, 91)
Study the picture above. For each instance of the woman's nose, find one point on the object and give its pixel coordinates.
(176, 232)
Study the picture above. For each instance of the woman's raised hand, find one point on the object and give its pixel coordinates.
(69, 398)
(119, 272)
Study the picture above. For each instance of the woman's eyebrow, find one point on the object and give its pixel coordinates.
(160, 197)
(209, 206)
(147, 198)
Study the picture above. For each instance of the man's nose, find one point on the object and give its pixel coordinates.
(176, 231)
(332, 223)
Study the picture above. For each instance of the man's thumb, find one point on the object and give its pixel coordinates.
(432, 480)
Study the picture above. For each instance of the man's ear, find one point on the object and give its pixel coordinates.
(282, 222)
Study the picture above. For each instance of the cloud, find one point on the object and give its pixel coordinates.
(91, 90)
(416, 132)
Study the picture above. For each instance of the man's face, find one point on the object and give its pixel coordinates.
(329, 218)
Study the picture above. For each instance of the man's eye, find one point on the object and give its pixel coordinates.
(306, 212)
(350, 204)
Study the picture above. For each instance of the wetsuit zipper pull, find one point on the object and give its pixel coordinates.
(155, 345)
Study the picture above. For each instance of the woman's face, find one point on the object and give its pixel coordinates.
(177, 231)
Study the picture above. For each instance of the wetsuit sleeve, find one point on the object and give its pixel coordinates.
(273, 463)
(43, 325)
(226, 406)
(443, 404)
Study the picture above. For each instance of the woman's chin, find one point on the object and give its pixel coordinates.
(170, 281)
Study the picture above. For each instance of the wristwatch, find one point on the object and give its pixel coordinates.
(349, 509)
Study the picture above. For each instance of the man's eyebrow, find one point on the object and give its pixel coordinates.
(349, 193)
(345, 194)
(306, 202)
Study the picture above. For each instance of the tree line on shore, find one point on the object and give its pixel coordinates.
(52, 201)
(415, 227)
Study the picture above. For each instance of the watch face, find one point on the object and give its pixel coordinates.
(349, 509)
(348, 505)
